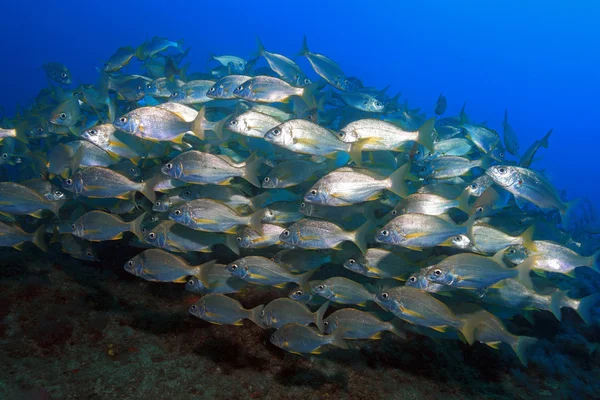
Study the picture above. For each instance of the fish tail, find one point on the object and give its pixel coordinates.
(135, 226)
(255, 220)
(55, 207)
(77, 159)
(523, 274)
(198, 124)
(361, 235)
(586, 307)
(356, 152)
(20, 134)
(180, 45)
(425, 131)
(147, 190)
(470, 233)
(555, 304)
(201, 271)
(521, 346)
(304, 50)
(319, 316)
(397, 184)
(261, 48)
(397, 328)
(337, 338)
(464, 118)
(218, 127)
(307, 95)
(470, 325)
(544, 141)
(463, 202)
(38, 238)
(303, 278)
(255, 315)
(565, 214)
(527, 238)
(251, 171)
(595, 261)
(231, 242)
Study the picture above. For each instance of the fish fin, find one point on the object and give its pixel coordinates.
(197, 125)
(218, 127)
(470, 325)
(280, 285)
(135, 226)
(398, 186)
(523, 274)
(376, 336)
(231, 242)
(303, 278)
(565, 215)
(463, 202)
(18, 246)
(586, 305)
(398, 328)
(201, 271)
(470, 233)
(555, 303)
(255, 315)
(361, 235)
(494, 345)
(38, 238)
(527, 237)
(521, 347)
(261, 49)
(319, 316)
(337, 338)
(304, 50)
(56, 205)
(528, 315)
(356, 152)
(37, 214)
(255, 220)
(424, 135)
(239, 322)
(77, 159)
(251, 171)
(148, 191)
(595, 261)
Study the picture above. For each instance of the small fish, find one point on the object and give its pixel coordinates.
(215, 279)
(347, 186)
(45, 189)
(421, 308)
(77, 248)
(104, 183)
(419, 231)
(157, 124)
(300, 339)
(163, 87)
(67, 113)
(171, 236)
(283, 311)
(440, 106)
(264, 271)
(235, 64)
(119, 59)
(57, 72)
(220, 309)
(197, 167)
(380, 264)
(527, 158)
(98, 226)
(157, 265)
(327, 69)
(343, 291)
(14, 236)
(18, 199)
(156, 45)
(287, 69)
(268, 89)
(358, 324)
(433, 204)
(117, 143)
(292, 173)
(511, 140)
(317, 234)
(251, 239)
(361, 101)
(490, 240)
(445, 167)
(213, 216)
(420, 281)
(553, 257)
(251, 123)
(224, 87)
(283, 212)
(485, 139)
(192, 92)
(472, 271)
(299, 260)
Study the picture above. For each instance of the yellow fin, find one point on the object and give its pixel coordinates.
(439, 328)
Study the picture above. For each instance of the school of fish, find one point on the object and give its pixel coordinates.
(358, 214)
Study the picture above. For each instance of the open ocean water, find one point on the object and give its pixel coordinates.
(94, 307)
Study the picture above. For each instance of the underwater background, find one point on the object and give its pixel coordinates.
(82, 330)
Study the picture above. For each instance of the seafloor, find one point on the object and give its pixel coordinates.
(74, 330)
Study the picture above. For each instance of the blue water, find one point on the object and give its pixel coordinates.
(535, 58)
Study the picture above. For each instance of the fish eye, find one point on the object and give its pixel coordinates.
(73, 226)
(412, 279)
(378, 104)
(423, 169)
(437, 272)
(512, 251)
(234, 266)
(233, 122)
(63, 115)
(502, 170)
(58, 193)
(239, 239)
(240, 88)
(158, 203)
(131, 169)
(385, 233)
(276, 131)
(262, 313)
(299, 293)
(346, 82)
(306, 81)
(88, 253)
(169, 165)
(267, 179)
(40, 130)
(502, 155)
(479, 209)
(63, 75)
(144, 230)
(174, 94)
(187, 193)
(123, 119)
(321, 287)
(351, 261)
(130, 263)
(152, 235)
(325, 323)
(385, 295)
(4, 155)
(194, 307)
(177, 212)
(69, 182)
(212, 89)
(286, 233)
(309, 117)
(313, 192)
(303, 205)
(341, 134)
(92, 132)
(394, 212)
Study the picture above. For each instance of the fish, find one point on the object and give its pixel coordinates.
(292, 173)
(100, 182)
(440, 106)
(12, 235)
(119, 59)
(117, 143)
(213, 216)
(445, 167)
(18, 199)
(99, 226)
(553, 257)
(77, 248)
(347, 186)
(224, 87)
(361, 101)
(511, 140)
(357, 324)
(420, 281)
(251, 123)
(381, 264)
(268, 89)
(283, 311)
(57, 72)
(433, 204)
(251, 239)
(326, 69)
(156, 45)
(343, 291)
(67, 113)
(197, 167)
(300, 339)
(234, 63)
(420, 308)
(490, 240)
(287, 69)
(299, 260)
(264, 271)
(222, 310)
(527, 157)
(316, 234)
(214, 278)
(171, 236)
(156, 265)
(192, 92)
